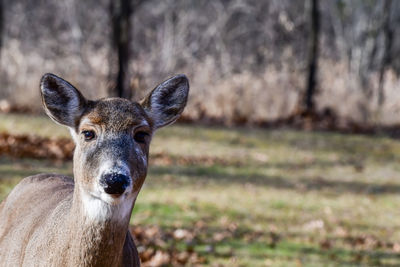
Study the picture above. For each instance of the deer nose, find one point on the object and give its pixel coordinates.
(114, 183)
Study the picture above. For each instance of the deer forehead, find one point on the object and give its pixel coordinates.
(116, 114)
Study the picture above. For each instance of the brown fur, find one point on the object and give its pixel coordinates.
(53, 220)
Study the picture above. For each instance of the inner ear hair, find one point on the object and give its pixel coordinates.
(61, 100)
(167, 101)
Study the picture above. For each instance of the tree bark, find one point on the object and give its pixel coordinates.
(308, 101)
(120, 13)
(1, 24)
(388, 39)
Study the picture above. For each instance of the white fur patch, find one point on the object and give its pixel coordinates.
(97, 209)
(73, 134)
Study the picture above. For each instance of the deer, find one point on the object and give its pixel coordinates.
(56, 220)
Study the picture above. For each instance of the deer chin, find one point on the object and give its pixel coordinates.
(100, 206)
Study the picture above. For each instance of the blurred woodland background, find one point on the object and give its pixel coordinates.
(249, 62)
(241, 195)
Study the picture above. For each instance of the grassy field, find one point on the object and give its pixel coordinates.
(260, 197)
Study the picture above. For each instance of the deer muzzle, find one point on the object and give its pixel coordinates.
(115, 183)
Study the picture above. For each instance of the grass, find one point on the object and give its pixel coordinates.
(294, 198)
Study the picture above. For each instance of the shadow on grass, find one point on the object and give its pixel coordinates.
(20, 168)
(226, 174)
(309, 254)
(16, 173)
(351, 257)
(357, 163)
(238, 175)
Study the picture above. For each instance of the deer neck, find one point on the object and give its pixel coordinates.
(97, 230)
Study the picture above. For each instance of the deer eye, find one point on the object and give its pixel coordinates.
(88, 135)
(140, 137)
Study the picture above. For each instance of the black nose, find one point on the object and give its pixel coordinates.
(114, 183)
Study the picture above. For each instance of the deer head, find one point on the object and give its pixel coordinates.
(112, 138)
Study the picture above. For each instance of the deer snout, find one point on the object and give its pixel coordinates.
(115, 183)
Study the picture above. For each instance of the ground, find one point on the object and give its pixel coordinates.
(258, 197)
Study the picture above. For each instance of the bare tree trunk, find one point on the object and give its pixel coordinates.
(308, 101)
(388, 38)
(1, 24)
(120, 12)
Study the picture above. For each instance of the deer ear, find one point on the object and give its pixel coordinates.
(166, 102)
(62, 101)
